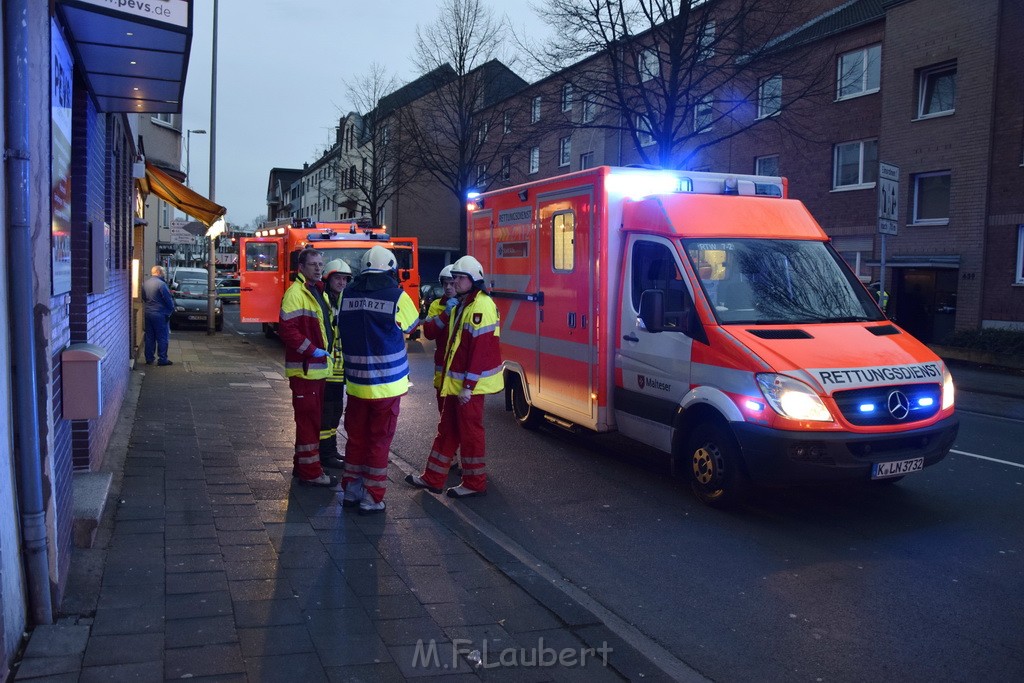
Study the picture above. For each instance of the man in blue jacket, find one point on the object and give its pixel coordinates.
(159, 306)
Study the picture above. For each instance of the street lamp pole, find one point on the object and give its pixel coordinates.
(212, 261)
(188, 152)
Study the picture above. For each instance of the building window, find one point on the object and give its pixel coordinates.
(564, 151)
(534, 159)
(535, 110)
(385, 133)
(563, 232)
(855, 165)
(481, 136)
(931, 198)
(164, 117)
(506, 167)
(1020, 255)
(643, 131)
(650, 65)
(481, 175)
(507, 124)
(936, 91)
(567, 97)
(703, 114)
(586, 160)
(767, 165)
(769, 97)
(707, 41)
(589, 109)
(860, 72)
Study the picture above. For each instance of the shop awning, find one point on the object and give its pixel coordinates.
(133, 55)
(171, 191)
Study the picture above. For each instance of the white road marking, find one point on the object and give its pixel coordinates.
(985, 457)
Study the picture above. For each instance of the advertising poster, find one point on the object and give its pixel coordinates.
(61, 68)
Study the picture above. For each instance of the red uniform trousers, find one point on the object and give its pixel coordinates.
(307, 402)
(370, 424)
(461, 429)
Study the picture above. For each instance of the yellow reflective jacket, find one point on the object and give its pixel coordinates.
(473, 358)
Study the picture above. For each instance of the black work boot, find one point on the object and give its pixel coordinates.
(329, 455)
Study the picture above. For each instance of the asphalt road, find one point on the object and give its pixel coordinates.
(923, 580)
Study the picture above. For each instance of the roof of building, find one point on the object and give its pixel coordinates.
(846, 16)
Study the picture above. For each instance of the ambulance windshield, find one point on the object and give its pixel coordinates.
(778, 282)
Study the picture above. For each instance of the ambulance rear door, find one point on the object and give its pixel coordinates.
(261, 270)
(567, 337)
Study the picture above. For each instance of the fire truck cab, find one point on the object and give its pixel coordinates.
(268, 262)
(708, 316)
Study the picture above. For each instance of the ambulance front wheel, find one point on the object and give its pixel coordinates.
(716, 475)
(526, 415)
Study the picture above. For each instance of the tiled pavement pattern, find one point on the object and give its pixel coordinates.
(212, 565)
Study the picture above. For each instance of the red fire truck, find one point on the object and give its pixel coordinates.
(268, 262)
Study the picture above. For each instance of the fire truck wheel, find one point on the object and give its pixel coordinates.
(715, 471)
(268, 330)
(527, 416)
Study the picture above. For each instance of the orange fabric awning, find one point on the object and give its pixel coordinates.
(184, 198)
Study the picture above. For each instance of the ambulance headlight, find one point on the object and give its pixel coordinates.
(947, 389)
(792, 398)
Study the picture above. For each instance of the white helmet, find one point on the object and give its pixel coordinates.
(336, 266)
(446, 274)
(470, 267)
(377, 259)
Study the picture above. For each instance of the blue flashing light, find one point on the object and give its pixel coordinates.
(472, 195)
(754, 406)
(867, 407)
(636, 185)
(925, 401)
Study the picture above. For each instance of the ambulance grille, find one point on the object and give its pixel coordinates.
(780, 334)
(883, 330)
(871, 407)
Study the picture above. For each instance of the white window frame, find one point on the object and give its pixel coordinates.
(769, 96)
(759, 161)
(506, 167)
(706, 47)
(481, 135)
(506, 125)
(704, 114)
(564, 151)
(864, 168)
(649, 65)
(866, 54)
(535, 109)
(567, 97)
(1019, 276)
(915, 189)
(534, 160)
(924, 81)
(481, 173)
(643, 131)
(586, 160)
(589, 109)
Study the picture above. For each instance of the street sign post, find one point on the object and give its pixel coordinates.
(888, 215)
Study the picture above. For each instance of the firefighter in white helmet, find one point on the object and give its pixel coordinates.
(337, 275)
(472, 369)
(374, 318)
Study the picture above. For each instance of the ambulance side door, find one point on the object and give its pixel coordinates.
(566, 332)
(262, 280)
(652, 368)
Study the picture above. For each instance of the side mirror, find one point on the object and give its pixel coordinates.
(652, 310)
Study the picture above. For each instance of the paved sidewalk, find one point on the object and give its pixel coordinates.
(211, 564)
(988, 390)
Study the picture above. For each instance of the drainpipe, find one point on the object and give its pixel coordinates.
(23, 342)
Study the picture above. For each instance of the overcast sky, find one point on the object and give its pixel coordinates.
(281, 72)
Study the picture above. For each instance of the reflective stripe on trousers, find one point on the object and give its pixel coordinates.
(370, 424)
(307, 403)
(461, 429)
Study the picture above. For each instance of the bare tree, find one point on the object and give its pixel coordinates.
(372, 176)
(455, 134)
(680, 76)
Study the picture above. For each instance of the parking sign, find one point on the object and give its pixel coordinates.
(888, 198)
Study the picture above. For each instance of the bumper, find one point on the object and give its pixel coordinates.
(194, 319)
(775, 456)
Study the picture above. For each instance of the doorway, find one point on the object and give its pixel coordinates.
(924, 302)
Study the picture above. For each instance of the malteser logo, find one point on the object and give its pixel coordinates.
(652, 383)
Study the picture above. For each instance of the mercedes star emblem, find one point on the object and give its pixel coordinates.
(899, 405)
